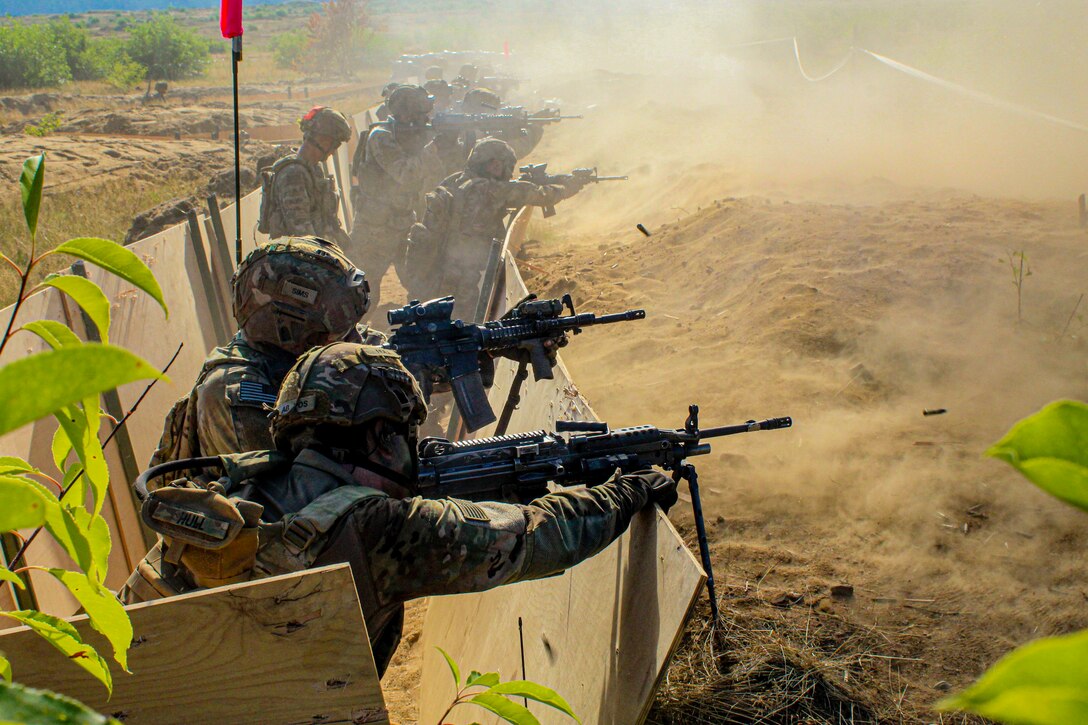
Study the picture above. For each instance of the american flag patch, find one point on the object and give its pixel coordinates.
(250, 391)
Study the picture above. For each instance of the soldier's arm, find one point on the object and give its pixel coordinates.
(526, 193)
(419, 547)
(404, 168)
(293, 189)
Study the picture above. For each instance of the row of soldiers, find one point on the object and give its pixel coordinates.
(427, 203)
(298, 444)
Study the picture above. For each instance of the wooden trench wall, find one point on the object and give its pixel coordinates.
(600, 634)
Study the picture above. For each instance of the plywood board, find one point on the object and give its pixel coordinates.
(289, 649)
(602, 633)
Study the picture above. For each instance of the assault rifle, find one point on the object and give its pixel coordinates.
(518, 467)
(438, 349)
(491, 122)
(538, 174)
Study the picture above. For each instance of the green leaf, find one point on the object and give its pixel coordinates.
(114, 258)
(5, 672)
(26, 705)
(55, 334)
(1051, 449)
(65, 638)
(75, 483)
(105, 613)
(62, 377)
(14, 464)
(30, 184)
(453, 668)
(489, 680)
(80, 426)
(8, 575)
(1042, 683)
(24, 503)
(84, 536)
(60, 448)
(509, 711)
(533, 691)
(88, 296)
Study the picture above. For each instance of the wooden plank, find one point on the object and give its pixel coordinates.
(222, 262)
(601, 634)
(289, 649)
(209, 291)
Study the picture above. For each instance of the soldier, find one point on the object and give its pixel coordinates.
(289, 295)
(382, 112)
(449, 250)
(433, 73)
(523, 141)
(395, 164)
(339, 487)
(464, 82)
(298, 199)
(442, 94)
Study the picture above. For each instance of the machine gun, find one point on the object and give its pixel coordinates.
(538, 174)
(518, 467)
(438, 349)
(491, 122)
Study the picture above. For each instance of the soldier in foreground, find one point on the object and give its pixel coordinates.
(395, 164)
(340, 487)
(448, 251)
(288, 296)
(298, 199)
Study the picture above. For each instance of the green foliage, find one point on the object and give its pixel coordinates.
(28, 57)
(494, 696)
(1044, 682)
(167, 50)
(289, 49)
(20, 704)
(66, 382)
(50, 122)
(109, 61)
(1051, 449)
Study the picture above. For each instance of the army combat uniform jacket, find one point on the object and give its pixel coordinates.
(448, 251)
(303, 202)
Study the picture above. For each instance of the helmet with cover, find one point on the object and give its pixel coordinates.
(488, 150)
(297, 292)
(324, 121)
(341, 386)
(410, 104)
(433, 73)
(481, 100)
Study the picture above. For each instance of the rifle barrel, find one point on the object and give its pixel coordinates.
(749, 427)
(620, 317)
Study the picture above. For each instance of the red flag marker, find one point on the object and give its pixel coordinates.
(505, 45)
(230, 18)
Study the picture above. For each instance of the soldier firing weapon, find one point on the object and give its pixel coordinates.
(538, 174)
(518, 467)
(440, 350)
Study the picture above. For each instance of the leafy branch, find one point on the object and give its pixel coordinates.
(489, 692)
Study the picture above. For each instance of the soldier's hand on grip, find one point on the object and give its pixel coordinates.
(661, 488)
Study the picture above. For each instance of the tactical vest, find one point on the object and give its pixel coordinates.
(210, 535)
(324, 201)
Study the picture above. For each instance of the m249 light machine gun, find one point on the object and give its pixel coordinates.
(518, 467)
(439, 349)
(538, 174)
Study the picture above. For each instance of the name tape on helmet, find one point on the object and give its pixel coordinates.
(297, 291)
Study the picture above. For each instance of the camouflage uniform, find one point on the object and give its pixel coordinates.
(399, 549)
(448, 251)
(288, 295)
(299, 198)
(394, 166)
(522, 141)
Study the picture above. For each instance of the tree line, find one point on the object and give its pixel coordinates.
(41, 55)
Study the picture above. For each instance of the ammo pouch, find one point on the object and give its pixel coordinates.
(213, 538)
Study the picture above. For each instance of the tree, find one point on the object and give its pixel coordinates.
(167, 50)
(335, 35)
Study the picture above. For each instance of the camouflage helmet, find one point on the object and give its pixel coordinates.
(492, 149)
(434, 73)
(468, 72)
(439, 89)
(409, 102)
(389, 88)
(322, 120)
(481, 100)
(297, 292)
(343, 384)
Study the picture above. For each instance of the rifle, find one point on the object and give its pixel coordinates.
(538, 174)
(489, 122)
(518, 467)
(439, 349)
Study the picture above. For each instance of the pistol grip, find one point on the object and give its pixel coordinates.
(549, 211)
(542, 364)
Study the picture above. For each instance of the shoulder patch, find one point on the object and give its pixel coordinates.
(470, 511)
(253, 391)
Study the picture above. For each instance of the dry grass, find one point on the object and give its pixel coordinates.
(791, 665)
(106, 211)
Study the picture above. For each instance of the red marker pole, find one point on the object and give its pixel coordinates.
(230, 24)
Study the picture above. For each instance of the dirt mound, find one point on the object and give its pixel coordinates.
(853, 318)
(152, 120)
(160, 217)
